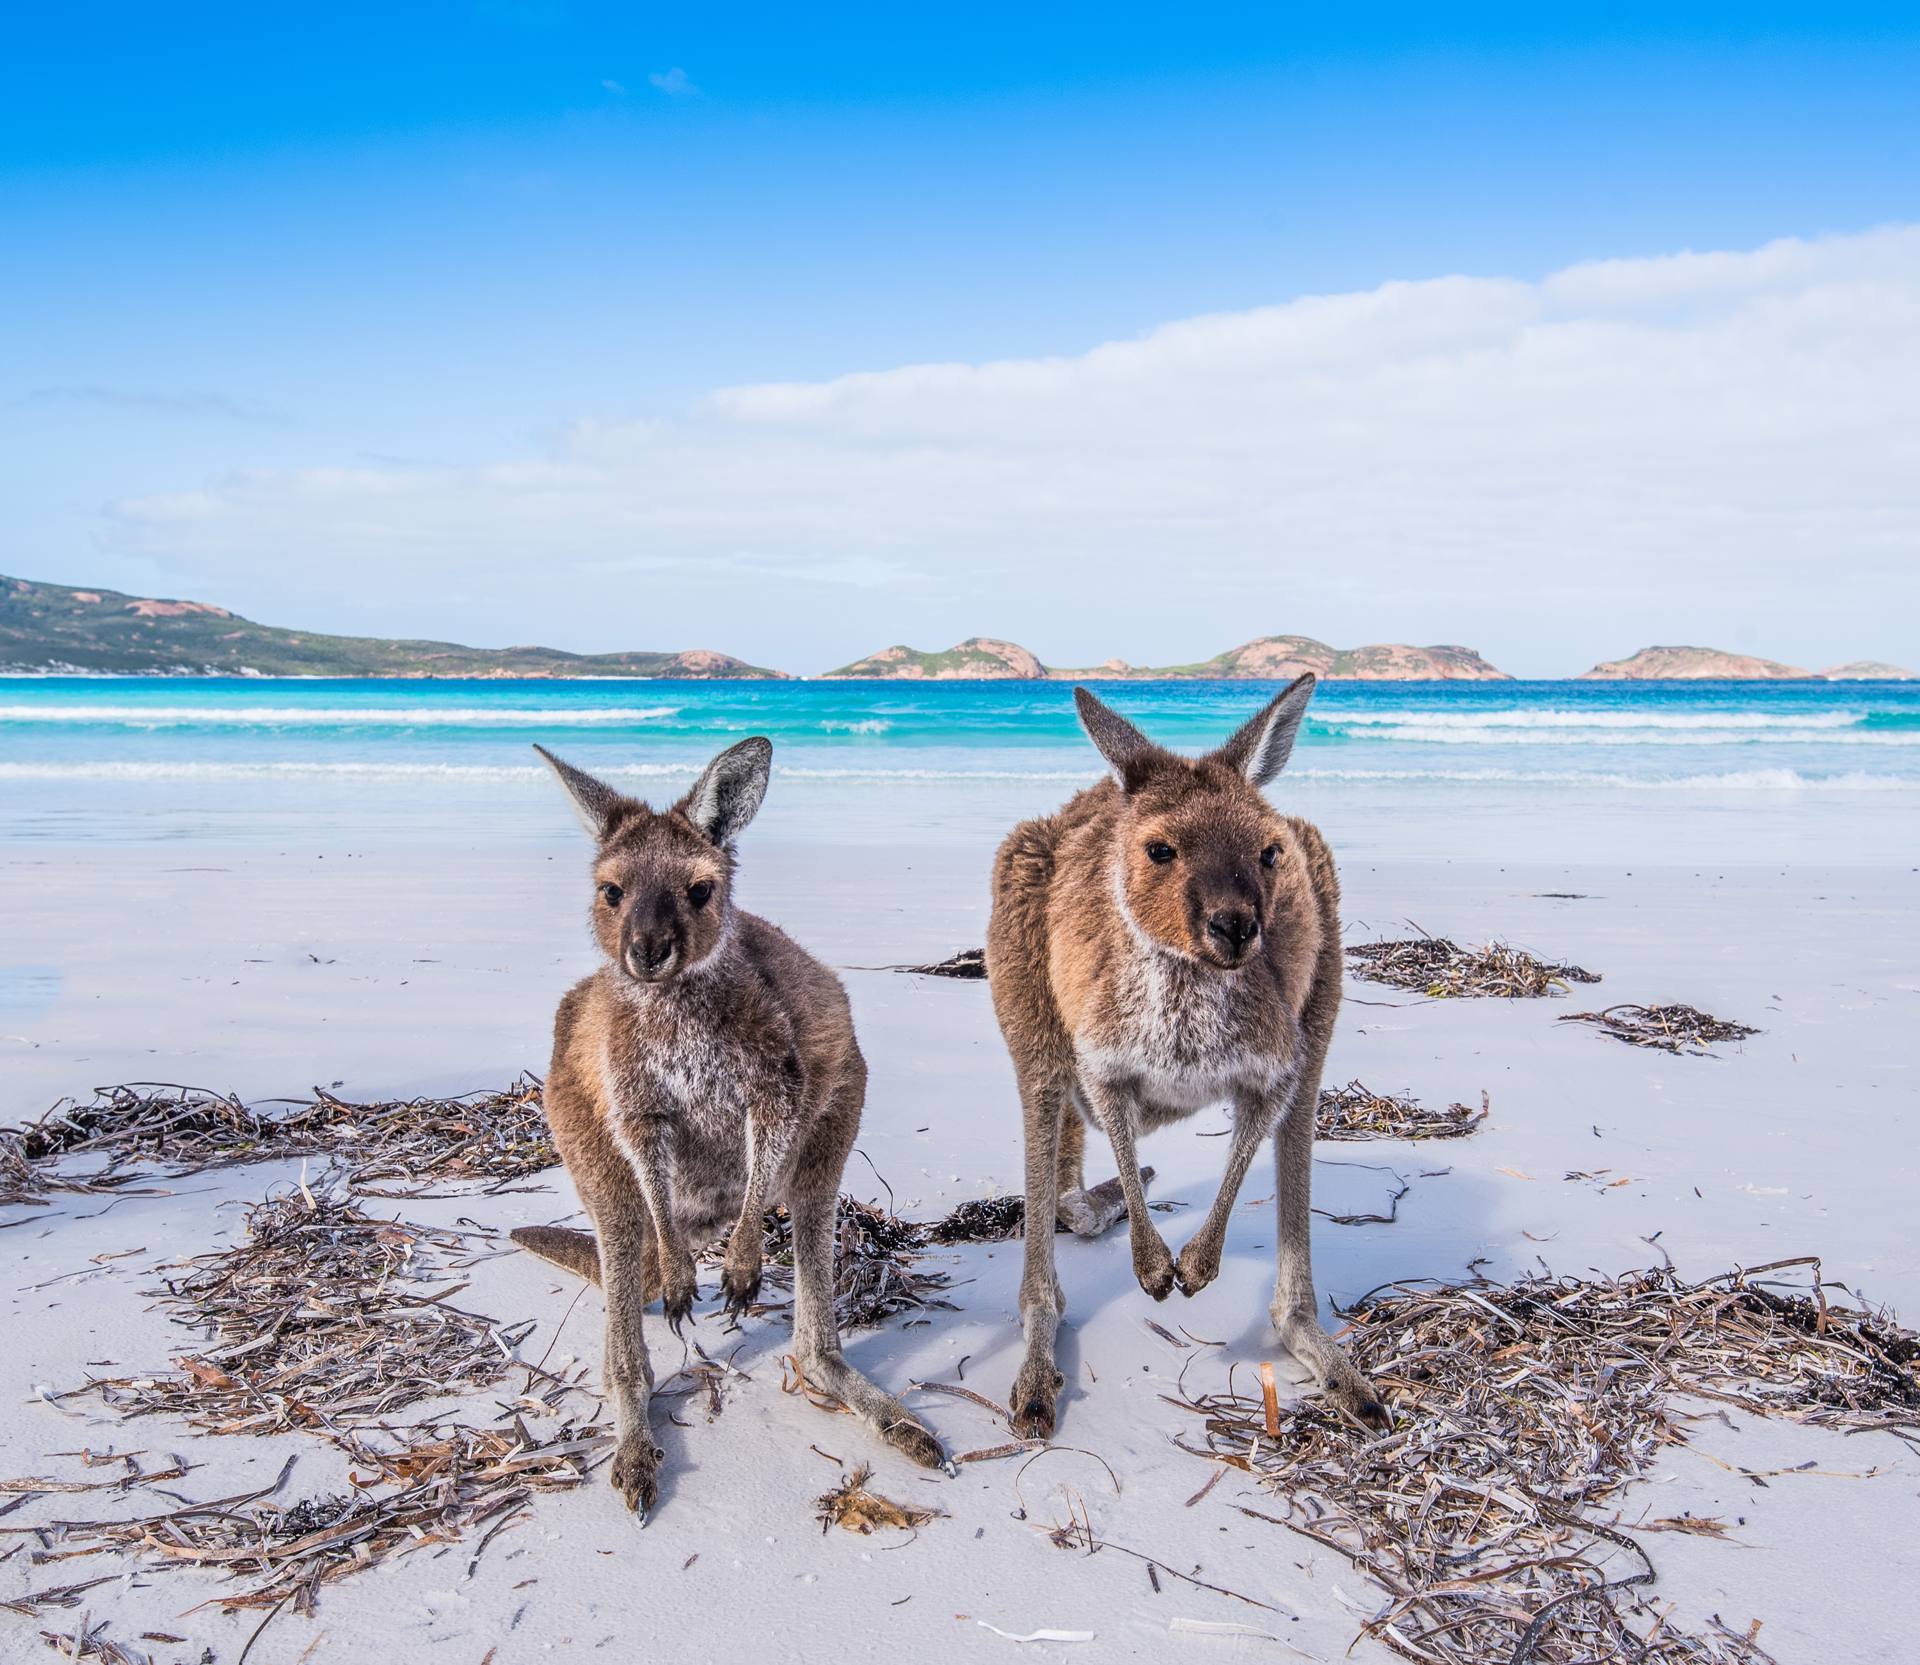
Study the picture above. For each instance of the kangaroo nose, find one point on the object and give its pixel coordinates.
(655, 949)
(1233, 926)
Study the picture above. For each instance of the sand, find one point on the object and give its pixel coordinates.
(269, 969)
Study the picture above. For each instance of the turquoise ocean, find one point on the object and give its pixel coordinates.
(1692, 771)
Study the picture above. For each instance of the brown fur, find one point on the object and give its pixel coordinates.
(707, 1071)
(1131, 991)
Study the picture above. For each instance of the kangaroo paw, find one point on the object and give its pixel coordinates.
(676, 1303)
(740, 1287)
(1153, 1263)
(1198, 1266)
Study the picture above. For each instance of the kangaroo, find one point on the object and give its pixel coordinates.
(1165, 942)
(705, 1072)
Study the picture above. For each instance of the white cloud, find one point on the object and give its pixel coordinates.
(613, 86)
(1718, 446)
(673, 82)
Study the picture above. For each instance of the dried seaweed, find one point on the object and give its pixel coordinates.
(319, 1321)
(1521, 1412)
(1668, 1028)
(495, 1137)
(969, 963)
(1356, 1112)
(450, 1481)
(984, 1220)
(855, 1509)
(90, 1641)
(1443, 970)
(1001, 1219)
(311, 1325)
(874, 1273)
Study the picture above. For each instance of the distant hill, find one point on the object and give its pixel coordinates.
(1692, 664)
(977, 659)
(1270, 658)
(1870, 670)
(49, 628)
(1277, 658)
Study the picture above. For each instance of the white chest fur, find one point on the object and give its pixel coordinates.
(1183, 1035)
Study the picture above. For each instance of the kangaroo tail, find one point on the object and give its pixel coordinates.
(575, 1250)
(1090, 1212)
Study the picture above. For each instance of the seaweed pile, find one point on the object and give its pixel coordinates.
(1522, 1411)
(317, 1324)
(494, 1137)
(1666, 1028)
(970, 964)
(449, 1481)
(853, 1508)
(313, 1324)
(1356, 1112)
(1443, 970)
(875, 1275)
(984, 1220)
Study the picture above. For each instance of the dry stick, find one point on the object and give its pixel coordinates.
(272, 1614)
(959, 1392)
(1213, 1480)
(1187, 1578)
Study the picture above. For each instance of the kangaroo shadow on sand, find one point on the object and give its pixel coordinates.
(1438, 1229)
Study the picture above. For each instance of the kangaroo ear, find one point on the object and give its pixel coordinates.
(727, 796)
(1261, 748)
(595, 802)
(1130, 753)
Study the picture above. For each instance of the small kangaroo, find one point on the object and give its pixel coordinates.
(1165, 942)
(706, 1072)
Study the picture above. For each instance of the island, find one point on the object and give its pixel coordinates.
(1693, 664)
(1266, 659)
(1870, 670)
(51, 630)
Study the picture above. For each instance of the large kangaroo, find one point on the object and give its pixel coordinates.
(1165, 942)
(707, 1071)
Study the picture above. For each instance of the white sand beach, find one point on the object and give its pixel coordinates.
(1489, 432)
(269, 968)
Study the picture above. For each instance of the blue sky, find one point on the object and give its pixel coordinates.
(246, 245)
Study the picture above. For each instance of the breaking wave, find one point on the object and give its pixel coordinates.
(328, 716)
(1739, 780)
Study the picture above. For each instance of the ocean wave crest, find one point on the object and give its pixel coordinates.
(1771, 780)
(1460, 734)
(327, 716)
(1567, 717)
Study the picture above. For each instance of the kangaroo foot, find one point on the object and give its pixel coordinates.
(1036, 1392)
(636, 1472)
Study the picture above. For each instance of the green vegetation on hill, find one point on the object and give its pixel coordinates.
(977, 659)
(52, 628)
(1269, 658)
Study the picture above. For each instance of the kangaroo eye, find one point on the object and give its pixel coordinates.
(611, 895)
(697, 894)
(1270, 855)
(1159, 852)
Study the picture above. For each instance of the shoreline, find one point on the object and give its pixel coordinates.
(71, 674)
